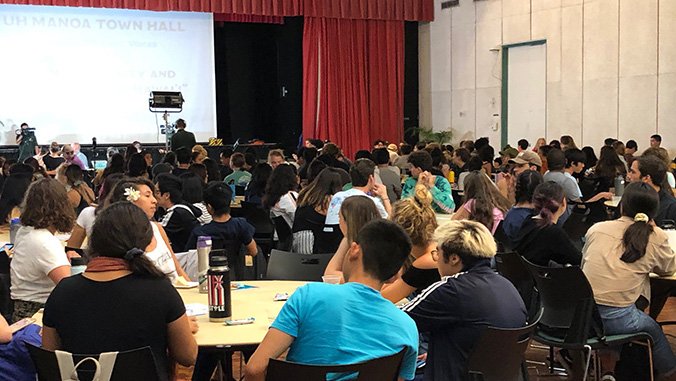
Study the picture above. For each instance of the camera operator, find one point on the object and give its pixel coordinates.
(27, 142)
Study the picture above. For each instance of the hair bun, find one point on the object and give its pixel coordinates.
(422, 195)
(132, 253)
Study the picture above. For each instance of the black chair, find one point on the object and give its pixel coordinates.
(284, 265)
(504, 243)
(137, 364)
(570, 318)
(284, 235)
(6, 303)
(499, 353)
(260, 220)
(510, 266)
(380, 369)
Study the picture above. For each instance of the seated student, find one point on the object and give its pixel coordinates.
(420, 165)
(39, 261)
(127, 301)
(389, 175)
(364, 184)
(239, 177)
(281, 193)
(619, 256)
(183, 157)
(540, 239)
(15, 361)
(180, 217)
(525, 186)
(255, 190)
(652, 171)
(140, 192)
(79, 193)
(217, 196)
(14, 189)
(192, 188)
(525, 160)
(333, 324)
(416, 216)
(469, 298)
(355, 212)
(309, 234)
(484, 203)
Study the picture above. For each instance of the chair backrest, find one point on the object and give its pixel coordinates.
(284, 265)
(567, 300)
(380, 369)
(510, 266)
(284, 234)
(499, 353)
(137, 364)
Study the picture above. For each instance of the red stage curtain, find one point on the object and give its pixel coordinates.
(411, 10)
(353, 80)
(229, 17)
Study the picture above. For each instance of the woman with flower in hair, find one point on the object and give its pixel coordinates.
(540, 240)
(140, 192)
(619, 256)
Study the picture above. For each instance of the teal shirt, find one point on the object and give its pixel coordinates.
(238, 178)
(442, 195)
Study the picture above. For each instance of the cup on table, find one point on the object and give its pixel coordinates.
(331, 279)
(616, 200)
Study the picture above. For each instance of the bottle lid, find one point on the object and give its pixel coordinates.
(218, 261)
(203, 241)
(15, 220)
(77, 261)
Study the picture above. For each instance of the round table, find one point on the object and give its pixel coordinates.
(252, 302)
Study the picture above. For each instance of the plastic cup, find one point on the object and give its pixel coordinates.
(331, 279)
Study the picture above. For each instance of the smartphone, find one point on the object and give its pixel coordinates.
(21, 324)
(7, 247)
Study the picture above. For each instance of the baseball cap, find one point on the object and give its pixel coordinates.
(510, 151)
(528, 157)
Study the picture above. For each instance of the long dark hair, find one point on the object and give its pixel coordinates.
(638, 198)
(486, 197)
(115, 165)
(213, 173)
(547, 199)
(609, 164)
(282, 181)
(318, 193)
(591, 157)
(108, 185)
(120, 228)
(137, 165)
(193, 187)
(526, 183)
(259, 179)
(15, 187)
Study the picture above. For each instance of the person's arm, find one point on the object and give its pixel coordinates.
(74, 197)
(380, 190)
(59, 273)
(77, 237)
(273, 345)
(436, 307)
(461, 214)
(407, 188)
(181, 342)
(396, 291)
(251, 248)
(179, 269)
(51, 340)
(442, 194)
(666, 260)
(335, 266)
(5, 333)
(600, 196)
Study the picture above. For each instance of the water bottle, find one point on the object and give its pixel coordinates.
(619, 185)
(77, 266)
(218, 278)
(203, 250)
(13, 228)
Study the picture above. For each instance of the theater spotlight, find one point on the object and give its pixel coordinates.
(165, 101)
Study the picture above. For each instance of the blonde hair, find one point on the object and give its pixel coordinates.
(416, 216)
(357, 211)
(467, 239)
(200, 150)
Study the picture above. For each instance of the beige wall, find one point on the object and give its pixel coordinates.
(611, 67)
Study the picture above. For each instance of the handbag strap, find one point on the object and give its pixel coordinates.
(68, 370)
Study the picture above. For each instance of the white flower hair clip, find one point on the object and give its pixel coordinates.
(132, 194)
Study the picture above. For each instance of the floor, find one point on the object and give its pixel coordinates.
(536, 372)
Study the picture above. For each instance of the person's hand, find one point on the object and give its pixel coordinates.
(606, 195)
(194, 326)
(428, 179)
(72, 254)
(379, 190)
(423, 357)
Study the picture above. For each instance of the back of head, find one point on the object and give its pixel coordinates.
(526, 183)
(218, 195)
(357, 211)
(653, 166)
(568, 141)
(183, 156)
(523, 144)
(421, 159)
(199, 169)
(608, 163)
(250, 159)
(547, 199)
(316, 166)
(555, 143)
(420, 145)
(380, 156)
(385, 246)
(282, 180)
(109, 184)
(192, 187)
(46, 205)
(631, 144)
(74, 175)
(406, 149)
(363, 154)
(591, 157)
(618, 146)
(435, 153)
(123, 231)
(360, 172)
(54, 147)
(416, 216)
(137, 165)
(469, 240)
(556, 160)
(609, 141)
(486, 197)
(161, 168)
(180, 123)
(259, 179)
(481, 143)
(318, 192)
(168, 183)
(331, 149)
(639, 202)
(486, 153)
(237, 160)
(309, 154)
(463, 154)
(474, 163)
(14, 190)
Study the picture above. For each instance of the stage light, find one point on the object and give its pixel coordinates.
(165, 101)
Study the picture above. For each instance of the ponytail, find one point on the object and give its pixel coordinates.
(635, 238)
(141, 265)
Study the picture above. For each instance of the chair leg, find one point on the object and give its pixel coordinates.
(587, 361)
(650, 358)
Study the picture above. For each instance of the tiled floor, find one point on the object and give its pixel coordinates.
(536, 372)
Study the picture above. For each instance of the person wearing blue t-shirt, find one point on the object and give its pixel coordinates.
(469, 298)
(329, 324)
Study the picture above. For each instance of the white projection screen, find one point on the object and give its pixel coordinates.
(77, 73)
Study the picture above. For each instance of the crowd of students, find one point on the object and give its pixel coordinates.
(377, 216)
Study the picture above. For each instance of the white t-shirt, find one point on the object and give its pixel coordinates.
(36, 253)
(86, 219)
(332, 215)
(161, 256)
(286, 207)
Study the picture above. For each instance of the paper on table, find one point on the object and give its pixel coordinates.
(196, 309)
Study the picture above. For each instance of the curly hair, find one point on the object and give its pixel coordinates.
(416, 216)
(282, 180)
(49, 207)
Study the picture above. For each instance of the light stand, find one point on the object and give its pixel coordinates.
(166, 102)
